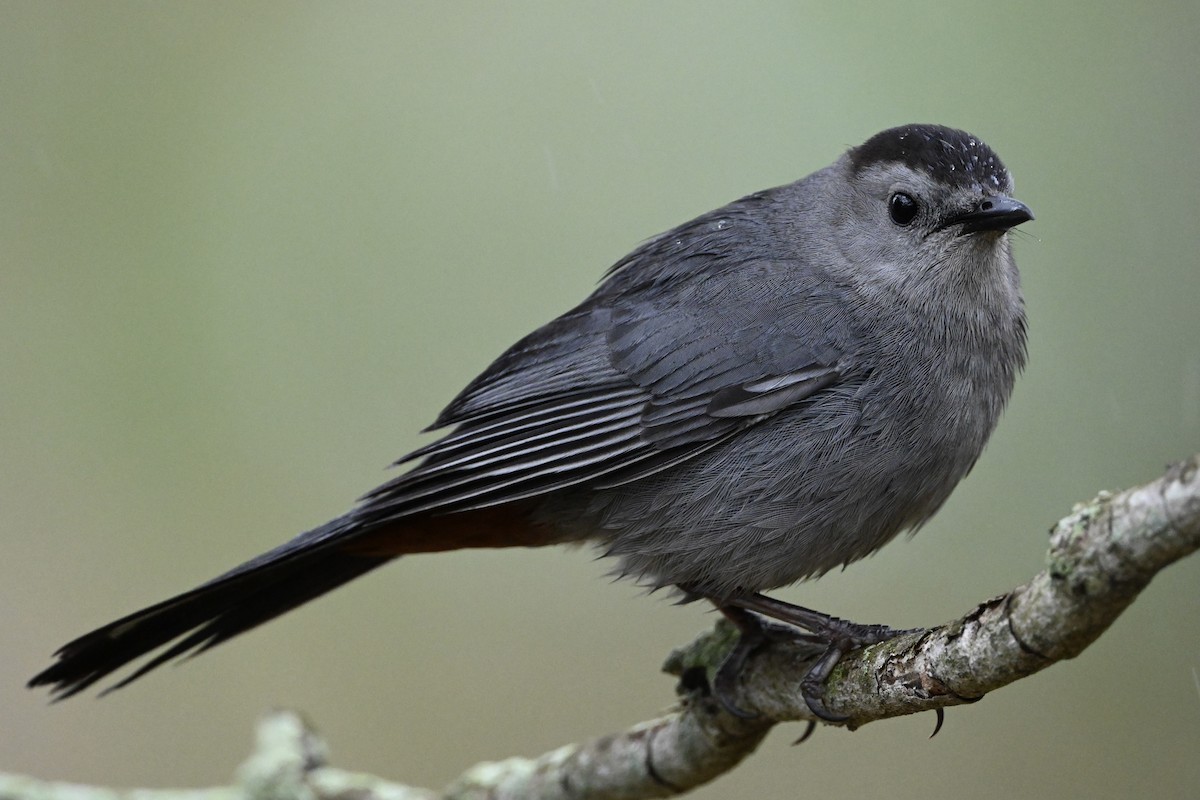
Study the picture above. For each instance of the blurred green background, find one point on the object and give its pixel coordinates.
(249, 250)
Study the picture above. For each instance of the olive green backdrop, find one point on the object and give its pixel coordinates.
(250, 249)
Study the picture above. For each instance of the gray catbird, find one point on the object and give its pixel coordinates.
(771, 390)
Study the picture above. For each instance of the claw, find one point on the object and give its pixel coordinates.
(816, 704)
(725, 683)
(813, 685)
(808, 731)
(751, 637)
(941, 717)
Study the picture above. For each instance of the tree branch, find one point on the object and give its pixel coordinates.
(1100, 558)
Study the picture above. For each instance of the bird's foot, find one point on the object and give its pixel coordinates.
(754, 632)
(839, 636)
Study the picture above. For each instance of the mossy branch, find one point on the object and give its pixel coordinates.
(1101, 556)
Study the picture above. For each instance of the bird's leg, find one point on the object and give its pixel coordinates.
(754, 633)
(840, 637)
(751, 637)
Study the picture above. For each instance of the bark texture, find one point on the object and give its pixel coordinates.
(1100, 557)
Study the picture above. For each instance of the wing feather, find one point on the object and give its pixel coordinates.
(634, 380)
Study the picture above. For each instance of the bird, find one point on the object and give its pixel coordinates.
(774, 389)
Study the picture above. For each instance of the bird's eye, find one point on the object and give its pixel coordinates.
(903, 208)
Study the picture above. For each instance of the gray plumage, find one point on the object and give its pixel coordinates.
(774, 389)
(771, 390)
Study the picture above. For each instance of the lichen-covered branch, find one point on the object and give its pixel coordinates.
(289, 763)
(1100, 558)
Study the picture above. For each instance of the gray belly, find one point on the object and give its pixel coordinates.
(811, 489)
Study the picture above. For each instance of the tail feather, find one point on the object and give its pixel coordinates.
(259, 590)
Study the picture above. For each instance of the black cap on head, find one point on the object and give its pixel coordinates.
(949, 156)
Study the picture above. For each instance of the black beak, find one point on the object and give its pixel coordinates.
(995, 213)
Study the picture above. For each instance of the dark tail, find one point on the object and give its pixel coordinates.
(259, 590)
